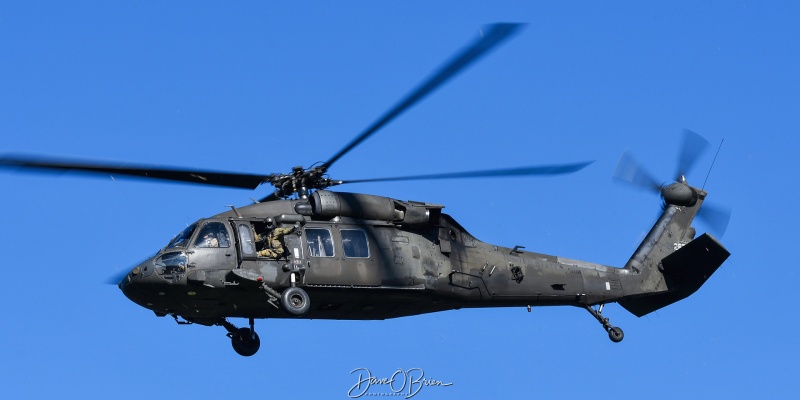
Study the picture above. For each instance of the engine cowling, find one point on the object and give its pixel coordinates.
(327, 204)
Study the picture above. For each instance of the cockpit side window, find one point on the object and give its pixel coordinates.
(213, 234)
(182, 239)
(320, 243)
(355, 243)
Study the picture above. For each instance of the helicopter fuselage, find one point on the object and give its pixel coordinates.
(371, 257)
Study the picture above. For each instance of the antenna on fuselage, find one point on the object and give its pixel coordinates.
(235, 210)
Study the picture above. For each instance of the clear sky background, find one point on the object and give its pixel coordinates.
(260, 87)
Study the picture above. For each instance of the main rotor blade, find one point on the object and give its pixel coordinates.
(495, 35)
(117, 277)
(629, 170)
(227, 179)
(271, 197)
(692, 148)
(544, 170)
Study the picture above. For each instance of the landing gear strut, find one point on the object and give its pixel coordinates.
(614, 333)
(245, 341)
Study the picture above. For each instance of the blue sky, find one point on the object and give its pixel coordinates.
(259, 87)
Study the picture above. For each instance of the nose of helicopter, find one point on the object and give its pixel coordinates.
(134, 285)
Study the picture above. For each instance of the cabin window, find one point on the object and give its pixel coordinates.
(246, 236)
(213, 234)
(354, 242)
(320, 243)
(182, 239)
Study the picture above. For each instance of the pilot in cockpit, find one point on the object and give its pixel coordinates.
(209, 240)
(213, 234)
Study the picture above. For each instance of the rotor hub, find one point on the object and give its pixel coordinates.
(679, 194)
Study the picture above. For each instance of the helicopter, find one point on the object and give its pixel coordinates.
(308, 252)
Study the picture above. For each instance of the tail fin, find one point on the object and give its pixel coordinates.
(670, 264)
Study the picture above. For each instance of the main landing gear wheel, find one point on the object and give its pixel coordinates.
(295, 301)
(245, 342)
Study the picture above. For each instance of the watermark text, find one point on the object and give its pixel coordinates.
(407, 383)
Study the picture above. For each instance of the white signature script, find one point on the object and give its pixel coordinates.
(401, 382)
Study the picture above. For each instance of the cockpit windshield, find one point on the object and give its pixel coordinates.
(182, 239)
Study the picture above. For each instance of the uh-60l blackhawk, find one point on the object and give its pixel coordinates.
(308, 252)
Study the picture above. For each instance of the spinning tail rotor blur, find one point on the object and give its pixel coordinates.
(630, 171)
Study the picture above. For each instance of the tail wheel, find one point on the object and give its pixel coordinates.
(615, 334)
(295, 301)
(245, 342)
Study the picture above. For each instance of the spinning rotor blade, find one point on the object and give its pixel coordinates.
(717, 218)
(692, 148)
(271, 197)
(117, 277)
(543, 170)
(495, 35)
(120, 275)
(629, 170)
(227, 179)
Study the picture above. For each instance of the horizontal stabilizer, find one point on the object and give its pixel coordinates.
(685, 271)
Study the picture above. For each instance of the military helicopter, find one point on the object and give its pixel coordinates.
(308, 252)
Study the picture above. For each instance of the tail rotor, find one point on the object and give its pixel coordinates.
(630, 171)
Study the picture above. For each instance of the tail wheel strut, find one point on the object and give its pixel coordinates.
(614, 332)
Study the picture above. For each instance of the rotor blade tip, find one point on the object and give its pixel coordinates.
(507, 26)
(577, 166)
